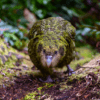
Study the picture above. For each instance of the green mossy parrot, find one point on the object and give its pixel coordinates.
(52, 45)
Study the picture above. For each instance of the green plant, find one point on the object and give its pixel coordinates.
(14, 36)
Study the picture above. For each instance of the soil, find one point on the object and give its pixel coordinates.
(84, 85)
(80, 90)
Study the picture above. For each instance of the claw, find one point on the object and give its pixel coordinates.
(48, 80)
(70, 71)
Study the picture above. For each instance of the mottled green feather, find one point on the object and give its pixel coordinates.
(52, 33)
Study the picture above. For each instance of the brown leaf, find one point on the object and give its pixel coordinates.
(82, 91)
(30, 17)
(85, 96)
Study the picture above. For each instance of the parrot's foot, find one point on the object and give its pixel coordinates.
(69, 71)
(48, 79)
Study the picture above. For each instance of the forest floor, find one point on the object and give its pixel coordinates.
(19, 77)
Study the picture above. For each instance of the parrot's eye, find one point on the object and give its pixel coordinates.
(44, 51)
(40, 48)
(61, 51)
(55, 52)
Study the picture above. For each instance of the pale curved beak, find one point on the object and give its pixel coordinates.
(49, 60)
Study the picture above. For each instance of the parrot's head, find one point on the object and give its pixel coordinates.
(50, 55)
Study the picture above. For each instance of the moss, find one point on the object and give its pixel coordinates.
(6, 68)
(63, 87)
(1, 76)
(96, 72)
(48, 85)
(9, 64)
(30, 96)
(86, 52)
(77, 77)
(14, 58)
(80, 62)
(39, 88)
(1, 62)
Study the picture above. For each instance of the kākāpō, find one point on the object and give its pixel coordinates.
(52, 45)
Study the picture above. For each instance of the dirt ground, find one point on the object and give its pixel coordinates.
(19, 81)
(84, 88)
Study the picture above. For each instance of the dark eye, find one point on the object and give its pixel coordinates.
(40, 48)
(55, 52)
(44, 51)
(61, 51)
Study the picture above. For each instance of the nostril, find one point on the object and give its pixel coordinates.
(55, 52)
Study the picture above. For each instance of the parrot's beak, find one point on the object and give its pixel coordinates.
(49, 60)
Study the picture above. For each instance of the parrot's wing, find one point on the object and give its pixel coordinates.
(35, 30)
(57, 24)
(41, 27)
(68, 30)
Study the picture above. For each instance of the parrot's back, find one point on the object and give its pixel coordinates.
(53, 25)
